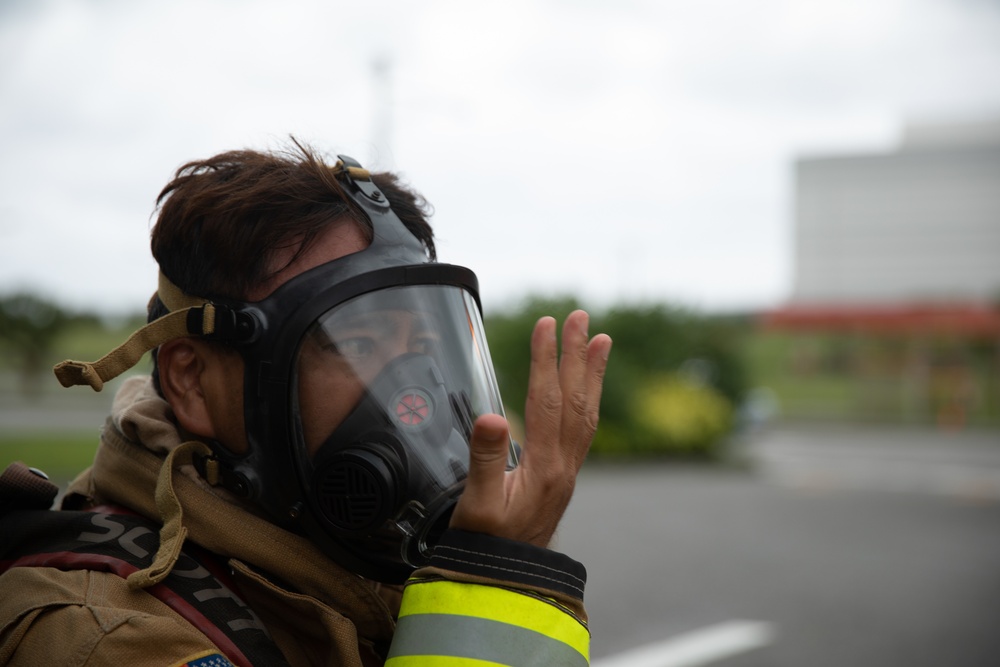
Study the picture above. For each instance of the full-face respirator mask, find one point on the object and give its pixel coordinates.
(363, 377)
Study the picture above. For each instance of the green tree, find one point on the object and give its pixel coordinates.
(29, 326)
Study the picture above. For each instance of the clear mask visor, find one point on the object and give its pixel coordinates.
(387, 387)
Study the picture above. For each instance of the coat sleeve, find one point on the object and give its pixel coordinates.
(493, 601)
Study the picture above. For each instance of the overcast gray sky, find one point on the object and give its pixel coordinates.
(636, 150)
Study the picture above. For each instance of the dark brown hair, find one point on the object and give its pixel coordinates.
(222, 220)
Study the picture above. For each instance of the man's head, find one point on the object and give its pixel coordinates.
(241, 223)
(238, 225)
(343, 367)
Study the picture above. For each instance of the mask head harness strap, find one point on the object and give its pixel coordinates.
(188, 316)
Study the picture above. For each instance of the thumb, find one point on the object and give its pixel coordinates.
(484, 485)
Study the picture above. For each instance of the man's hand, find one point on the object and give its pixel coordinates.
(560, 419)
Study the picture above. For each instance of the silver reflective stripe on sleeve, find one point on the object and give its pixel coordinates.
(479, 639)
(446, 623)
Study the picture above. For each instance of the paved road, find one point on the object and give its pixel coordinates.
(953, 464)
(820, 538)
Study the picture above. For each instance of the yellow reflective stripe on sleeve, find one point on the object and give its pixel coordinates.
(487, 623)
(439, 661)
(495, 604)
(479, 639)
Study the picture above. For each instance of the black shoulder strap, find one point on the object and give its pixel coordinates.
(197, 588)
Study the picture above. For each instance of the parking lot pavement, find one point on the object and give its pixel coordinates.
(961, 464)
(850, 568)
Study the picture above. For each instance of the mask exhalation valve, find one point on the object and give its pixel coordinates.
(356, 489)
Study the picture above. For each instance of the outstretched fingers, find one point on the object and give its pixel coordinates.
(543, 407)
(560, 419)
(598, 351)
(576, 387)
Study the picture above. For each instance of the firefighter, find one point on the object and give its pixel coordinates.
(318, 471)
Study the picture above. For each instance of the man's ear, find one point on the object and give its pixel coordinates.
(183, 364)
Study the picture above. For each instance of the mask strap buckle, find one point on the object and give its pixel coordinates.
(359, 181)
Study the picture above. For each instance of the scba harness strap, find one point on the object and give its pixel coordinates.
(122, 543)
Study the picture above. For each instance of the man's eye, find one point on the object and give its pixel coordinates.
(355, 348)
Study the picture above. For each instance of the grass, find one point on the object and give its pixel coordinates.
(60, 455)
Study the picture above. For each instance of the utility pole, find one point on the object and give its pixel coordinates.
(381, 118)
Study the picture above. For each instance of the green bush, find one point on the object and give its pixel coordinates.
(672, 382)
(676, 414)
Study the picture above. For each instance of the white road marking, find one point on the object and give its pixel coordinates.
(700, 647)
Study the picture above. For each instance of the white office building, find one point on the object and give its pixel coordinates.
(917, 225)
